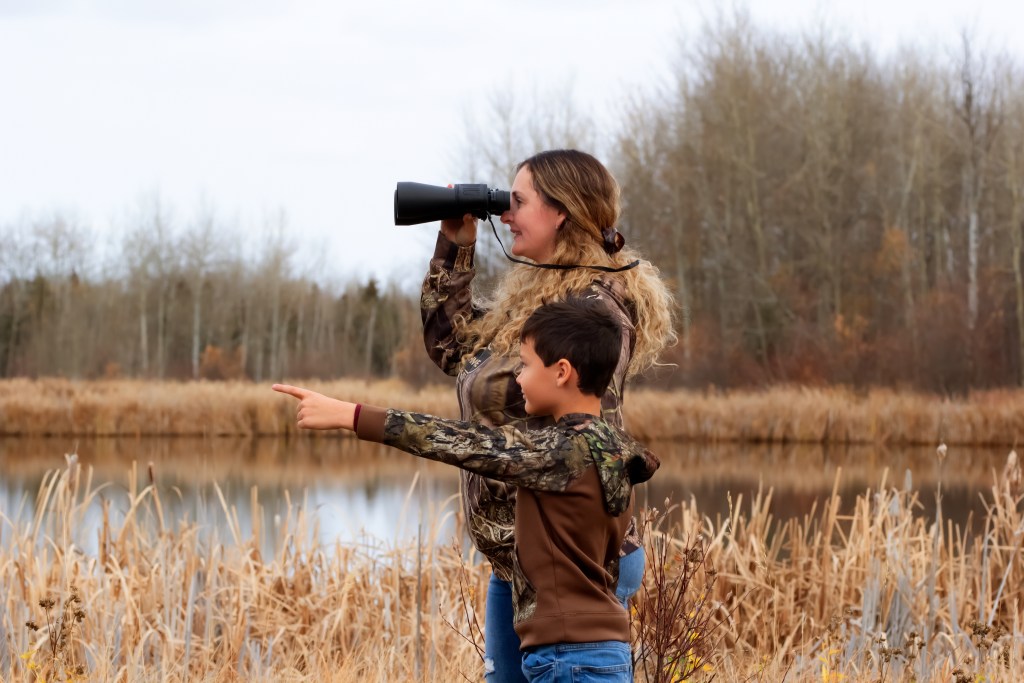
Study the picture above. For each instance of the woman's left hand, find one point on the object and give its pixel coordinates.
(317, 411)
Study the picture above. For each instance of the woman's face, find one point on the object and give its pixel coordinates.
(534, 223)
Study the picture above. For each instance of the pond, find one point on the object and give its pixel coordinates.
(363, 493)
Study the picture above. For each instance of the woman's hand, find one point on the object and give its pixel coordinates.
(317, 411)
(461, 231)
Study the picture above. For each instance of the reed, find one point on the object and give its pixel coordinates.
(783, 414)
(877, 594)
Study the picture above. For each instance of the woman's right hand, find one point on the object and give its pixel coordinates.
(462, 231)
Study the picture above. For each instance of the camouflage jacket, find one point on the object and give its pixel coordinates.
(489, 394)
(572, 510)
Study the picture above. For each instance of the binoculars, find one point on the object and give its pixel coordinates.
(419, 203)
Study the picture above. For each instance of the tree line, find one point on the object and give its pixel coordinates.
(824, 214)
(828, 215)
(185, 300)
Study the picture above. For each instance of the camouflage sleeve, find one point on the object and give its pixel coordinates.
(446, 295)
(542, 460)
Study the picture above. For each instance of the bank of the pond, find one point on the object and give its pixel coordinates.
(783, 414)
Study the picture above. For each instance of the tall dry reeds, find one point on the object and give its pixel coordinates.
(878, 594)
(168, 600)
(776, 415)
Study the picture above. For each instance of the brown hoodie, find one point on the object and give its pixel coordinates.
(573, 505)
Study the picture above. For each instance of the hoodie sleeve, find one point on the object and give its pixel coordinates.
(541, 460)
(446, 296)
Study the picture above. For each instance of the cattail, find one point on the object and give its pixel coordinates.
(1012, 475)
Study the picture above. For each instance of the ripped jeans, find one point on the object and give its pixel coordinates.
(502, 659)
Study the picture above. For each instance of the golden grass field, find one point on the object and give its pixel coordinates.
(803, 599)
(774, 415)
(806, 600)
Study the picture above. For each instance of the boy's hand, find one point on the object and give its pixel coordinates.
(317, 411)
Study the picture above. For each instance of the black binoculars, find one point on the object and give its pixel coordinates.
(419, 203)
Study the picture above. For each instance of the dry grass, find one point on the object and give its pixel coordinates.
(167, 600)
(776, 415)
(140, 408)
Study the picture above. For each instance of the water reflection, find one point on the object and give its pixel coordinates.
(366, 493)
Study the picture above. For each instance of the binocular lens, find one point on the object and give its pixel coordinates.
(419, 203)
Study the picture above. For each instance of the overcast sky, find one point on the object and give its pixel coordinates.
(315, 109)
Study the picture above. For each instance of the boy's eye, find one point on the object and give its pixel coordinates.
(518, 369)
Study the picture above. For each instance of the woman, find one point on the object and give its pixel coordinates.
(564, 209)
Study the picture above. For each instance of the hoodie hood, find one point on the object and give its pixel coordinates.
(621, 461)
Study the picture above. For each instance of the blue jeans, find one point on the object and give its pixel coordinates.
(631, 576)
(502, 658)
(604, 660)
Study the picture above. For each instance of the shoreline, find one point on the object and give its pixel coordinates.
(781, 414)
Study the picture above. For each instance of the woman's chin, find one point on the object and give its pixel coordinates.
(522, 253)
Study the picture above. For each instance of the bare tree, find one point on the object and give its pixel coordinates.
(979, 110)
(202, 249)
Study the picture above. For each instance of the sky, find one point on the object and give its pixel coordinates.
(302, 116)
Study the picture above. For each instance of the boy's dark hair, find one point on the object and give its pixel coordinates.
(583, 332)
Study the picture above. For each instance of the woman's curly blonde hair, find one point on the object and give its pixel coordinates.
(584, 190)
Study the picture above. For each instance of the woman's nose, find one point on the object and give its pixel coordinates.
(506, 217)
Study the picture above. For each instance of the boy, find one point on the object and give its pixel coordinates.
(574, 480)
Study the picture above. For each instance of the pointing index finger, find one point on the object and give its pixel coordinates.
(297, 392)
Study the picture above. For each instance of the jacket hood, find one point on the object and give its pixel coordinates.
(621, 461)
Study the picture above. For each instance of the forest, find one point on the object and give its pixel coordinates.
(824, 214)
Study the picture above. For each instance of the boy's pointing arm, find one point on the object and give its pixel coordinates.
(542, 460)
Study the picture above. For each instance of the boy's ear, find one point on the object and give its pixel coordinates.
(564, 372)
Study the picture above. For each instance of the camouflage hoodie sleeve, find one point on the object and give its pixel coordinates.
(446, 295)
(541, 460)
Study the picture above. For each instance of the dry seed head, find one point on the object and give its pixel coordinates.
(32, 626)
(1012, 475)
(979, 628)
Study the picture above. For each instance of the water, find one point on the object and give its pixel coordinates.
(364, 493)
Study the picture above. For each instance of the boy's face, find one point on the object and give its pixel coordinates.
(539, 382)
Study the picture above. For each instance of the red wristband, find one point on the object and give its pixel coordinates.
(355, 418)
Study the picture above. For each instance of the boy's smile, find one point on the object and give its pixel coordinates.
(538, 382)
